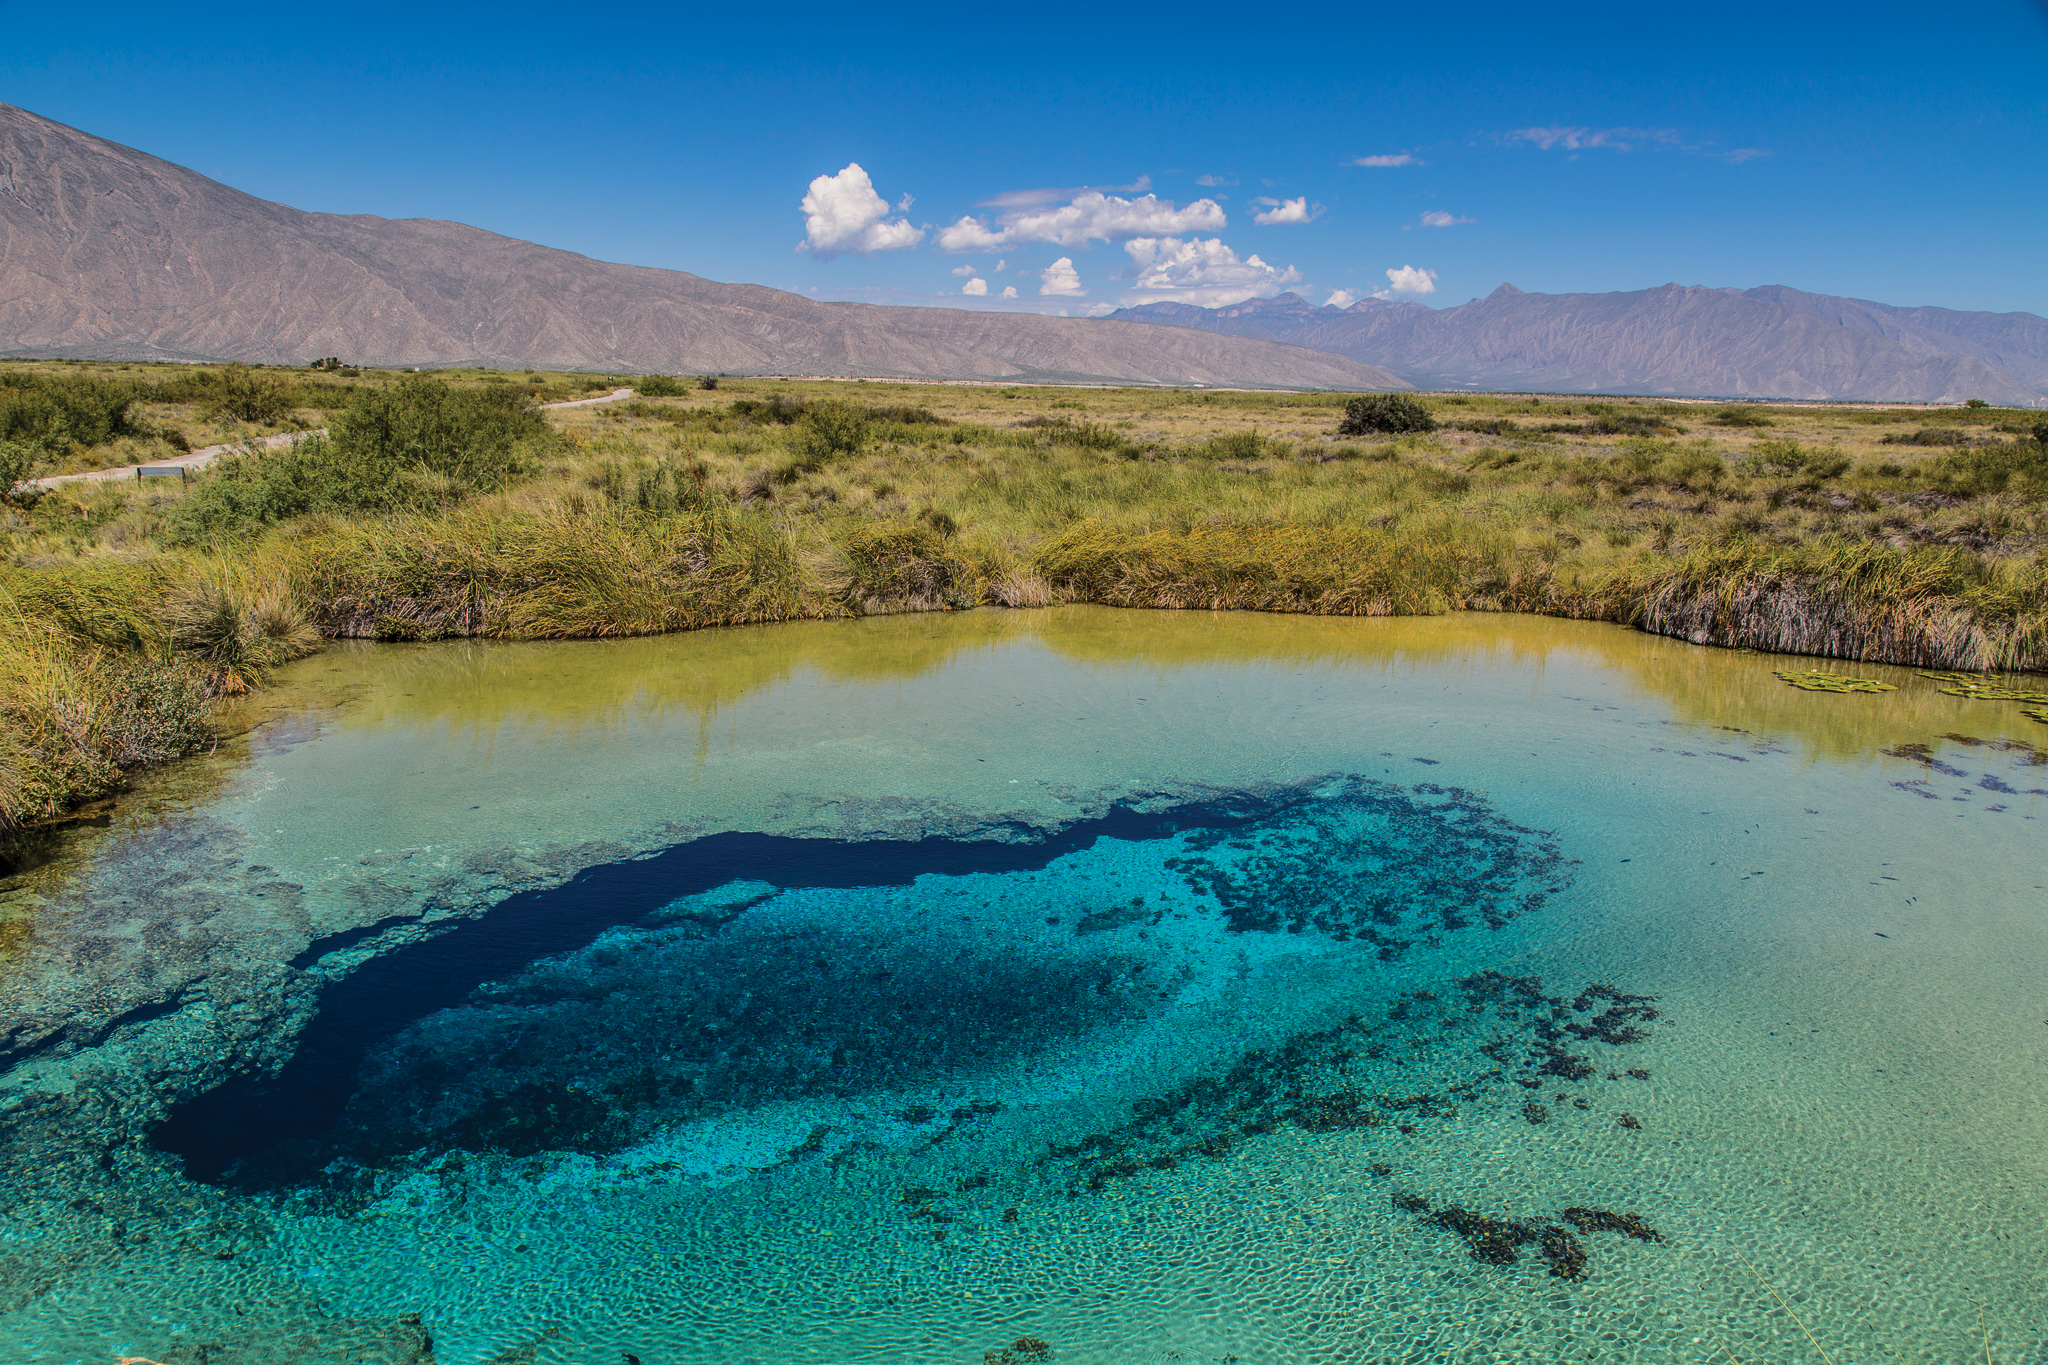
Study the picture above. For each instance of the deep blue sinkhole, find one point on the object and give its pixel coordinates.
(263, 1116)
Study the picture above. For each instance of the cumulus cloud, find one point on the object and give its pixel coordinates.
(1009, 291)
(1278, 211)
(1210, 182)
(843, 213)
(1341, 298)
(1437, 218)
(1089, 216)
(1201, 271)
(1000, 265)
(963, 270)
(1407, 281)
(1386, 159)
(975, 286)
(1061, 278)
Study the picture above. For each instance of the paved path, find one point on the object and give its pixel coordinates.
(200, 459)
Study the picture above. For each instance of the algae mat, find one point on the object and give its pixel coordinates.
(1069, 985)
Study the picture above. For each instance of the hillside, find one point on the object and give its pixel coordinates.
(1764, 343)
(107, 252)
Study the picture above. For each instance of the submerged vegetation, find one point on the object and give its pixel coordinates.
(450, 505)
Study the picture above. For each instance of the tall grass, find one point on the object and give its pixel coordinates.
(550, 575)
(78, 716)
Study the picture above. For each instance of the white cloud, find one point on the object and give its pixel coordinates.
(1280, 211)
(1389, 159)
(1000, 264)
(1009, 291)
(1090, 216)
(1061, 278)
(975, 286)
(843, 213)
(1438, 218)
(1210, 182)
(1342, 298)
(1409, 281)
(1574, 139)
(1204, 272)
(963, 270)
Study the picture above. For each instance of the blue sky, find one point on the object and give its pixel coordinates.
(1890, 152)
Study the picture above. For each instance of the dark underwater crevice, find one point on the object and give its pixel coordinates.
(248, 1116)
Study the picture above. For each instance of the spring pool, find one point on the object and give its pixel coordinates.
(1069, 985)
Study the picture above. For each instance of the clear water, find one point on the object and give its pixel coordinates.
(1156, 987)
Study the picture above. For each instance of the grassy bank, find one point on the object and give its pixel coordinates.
(446, 507)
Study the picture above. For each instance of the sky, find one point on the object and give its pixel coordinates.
(1075, 160)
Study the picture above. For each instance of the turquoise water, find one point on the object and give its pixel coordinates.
(1154, 987)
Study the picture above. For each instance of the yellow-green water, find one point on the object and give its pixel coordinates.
(717, 1146)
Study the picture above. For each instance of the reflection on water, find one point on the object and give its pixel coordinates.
(1070, 985)
(475, 687)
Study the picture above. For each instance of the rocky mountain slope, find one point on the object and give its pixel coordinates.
(109, 252)
(1761, 343)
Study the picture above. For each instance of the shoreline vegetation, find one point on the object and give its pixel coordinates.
(447, 505)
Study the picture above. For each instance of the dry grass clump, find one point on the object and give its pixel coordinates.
(237, 632)
(551, 575)
(76, 716)
(1944, 608)
(1327, 570)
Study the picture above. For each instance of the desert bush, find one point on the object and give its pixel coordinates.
(1384, 413)
(54, 412)
(1928, 436)
(18, 461)
(1740, 417)
(659, 386)
(253, 396)
(783, 409)
(2010, 466)
(480, 438)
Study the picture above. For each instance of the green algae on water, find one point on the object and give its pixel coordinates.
(1813, 680)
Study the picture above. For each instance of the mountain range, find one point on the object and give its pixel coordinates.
(108, 252)
(111, 253)
(1773, 342)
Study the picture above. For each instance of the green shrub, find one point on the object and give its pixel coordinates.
(833, 430)
(253, 396)
(659, 386)
(783, 409)
(1789, 457)
(17, 464)
(414, 446)
(1384, 413)
(1928, 436)
(58, 411)
(1740, 417)
(480, 438)
(2015, 466)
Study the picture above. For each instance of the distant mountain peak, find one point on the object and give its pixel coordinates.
(181, 267)
(1771, 342)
